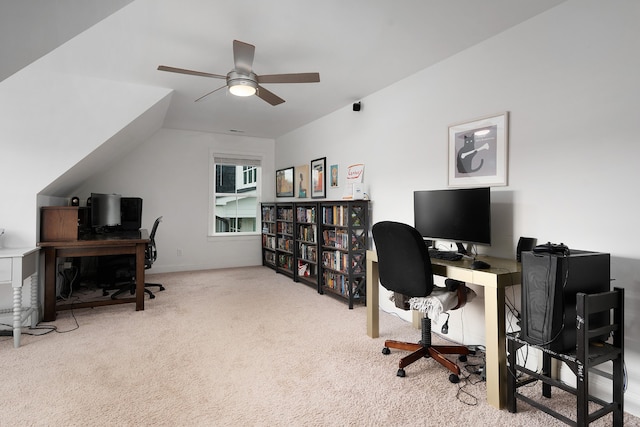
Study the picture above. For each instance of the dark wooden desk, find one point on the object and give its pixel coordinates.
(117, 243)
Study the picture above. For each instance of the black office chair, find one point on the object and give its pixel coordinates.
(150, 256)
(405, 269)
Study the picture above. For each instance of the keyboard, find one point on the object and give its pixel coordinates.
(445, 255)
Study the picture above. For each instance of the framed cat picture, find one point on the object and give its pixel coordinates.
(478, 152)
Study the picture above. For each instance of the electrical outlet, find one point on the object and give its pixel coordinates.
(179, 252)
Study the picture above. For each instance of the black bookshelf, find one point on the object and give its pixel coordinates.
(344, 229)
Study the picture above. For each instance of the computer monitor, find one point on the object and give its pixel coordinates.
(105, 210)
(460, 215)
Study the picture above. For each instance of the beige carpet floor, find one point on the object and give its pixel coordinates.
(236, 347)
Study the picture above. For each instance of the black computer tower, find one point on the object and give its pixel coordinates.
(131, 213)
(84, 220)
(550, 283)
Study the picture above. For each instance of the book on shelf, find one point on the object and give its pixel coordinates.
(268, 213)
(268, 242)
(285, 261)
(337, 282)
(285, 214)
(308, 252)
(307, 233)
(306, 214)
(285, 244)
(335, 215)
(285, 228)
(336, 239)
(339, 261)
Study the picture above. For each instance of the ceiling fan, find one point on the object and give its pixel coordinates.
(242, 81)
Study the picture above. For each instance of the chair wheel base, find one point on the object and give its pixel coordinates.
(401, 373)
(454, 379)
(386, 350)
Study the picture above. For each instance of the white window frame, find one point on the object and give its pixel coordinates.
(239, 159)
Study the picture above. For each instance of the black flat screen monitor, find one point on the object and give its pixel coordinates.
(105, 210)
(459, 215)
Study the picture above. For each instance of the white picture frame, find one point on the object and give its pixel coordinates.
(478, 152)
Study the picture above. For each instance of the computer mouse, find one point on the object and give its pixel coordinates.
(479, 265)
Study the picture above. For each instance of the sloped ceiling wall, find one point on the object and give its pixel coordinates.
(51, 23)
(112, 151)
(57, 128)
(52, 121)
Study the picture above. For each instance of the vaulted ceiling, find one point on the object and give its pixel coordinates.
(357, 46)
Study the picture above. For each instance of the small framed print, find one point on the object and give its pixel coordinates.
(284, 182)
(478, 152)
(318, 178)
(302, 181)
(333, 176)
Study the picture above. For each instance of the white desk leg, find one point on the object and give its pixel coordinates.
(35, 301)
(373, 290)
(17, 315)
(496, 353)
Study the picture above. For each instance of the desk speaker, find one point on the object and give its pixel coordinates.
(525, 244)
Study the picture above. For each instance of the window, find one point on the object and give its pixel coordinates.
(235, 201)
(249, 175)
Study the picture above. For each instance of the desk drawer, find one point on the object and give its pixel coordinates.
(5, 269)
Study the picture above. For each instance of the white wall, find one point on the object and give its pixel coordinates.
(569, 80)
(170, 172)
(41, 140)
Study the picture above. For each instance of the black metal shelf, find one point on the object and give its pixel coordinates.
(590, 352)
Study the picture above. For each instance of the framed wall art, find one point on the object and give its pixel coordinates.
(318, 178)
(333, 174)
(302, 181)
(284, 182)
(478, 152)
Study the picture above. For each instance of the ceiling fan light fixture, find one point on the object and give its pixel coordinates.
(242, 81)
(245, 88)
(241, 85)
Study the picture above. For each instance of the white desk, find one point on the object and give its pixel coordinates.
(16, 265)
(503, 273)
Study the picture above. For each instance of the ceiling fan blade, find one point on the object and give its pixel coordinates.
(290, 78)
(209, 93)
(270, 97)
(243, 56)
(190, 72)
